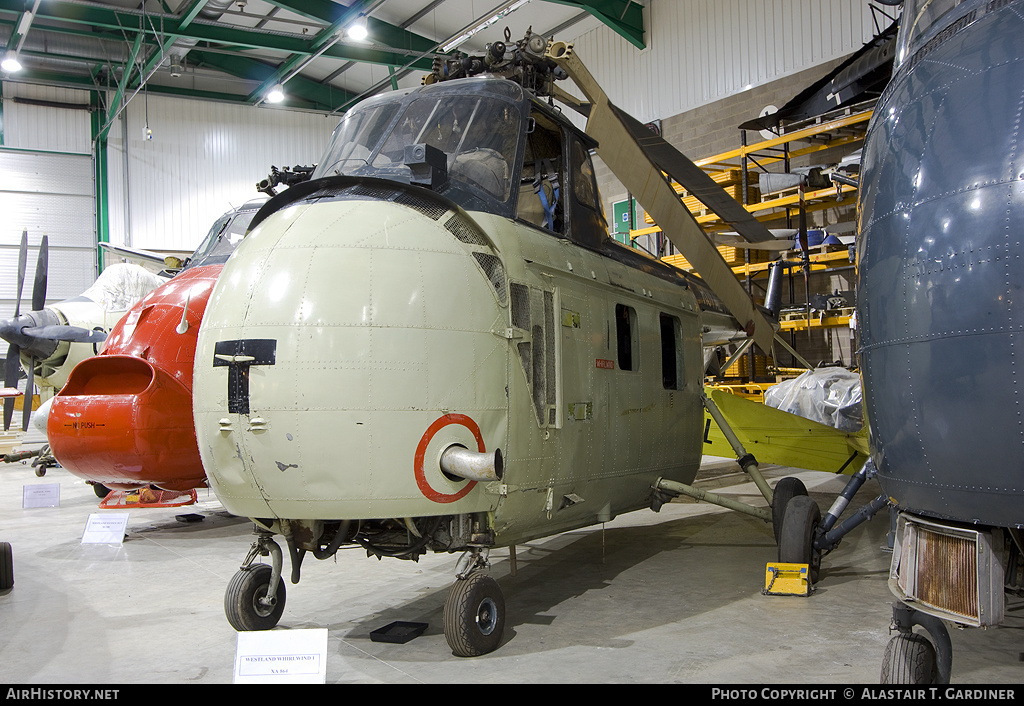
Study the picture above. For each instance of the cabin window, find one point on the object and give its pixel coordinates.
(625, 335)
(670, 358)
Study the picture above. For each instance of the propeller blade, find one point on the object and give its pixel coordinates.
(22, 258)
(26, 406)
(75, 334)
(11, 372)
(39, 287)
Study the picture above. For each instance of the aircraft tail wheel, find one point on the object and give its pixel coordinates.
(784, 491)
(6, 566)
(796, 539)
(474, 616)
(243, 601)
(909, 659)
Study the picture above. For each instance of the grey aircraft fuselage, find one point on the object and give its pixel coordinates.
(940, 279)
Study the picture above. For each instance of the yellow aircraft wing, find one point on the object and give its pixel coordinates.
(781, 438)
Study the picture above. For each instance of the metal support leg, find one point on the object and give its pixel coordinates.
(266, 546)
(746, 460)
(904, 619)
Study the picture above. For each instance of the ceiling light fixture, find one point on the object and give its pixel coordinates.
(276, 94)
(465, 34)
(10, 64)
(357, 30)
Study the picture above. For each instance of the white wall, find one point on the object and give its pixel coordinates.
(47, 189)
(699, 51)
(203, 159)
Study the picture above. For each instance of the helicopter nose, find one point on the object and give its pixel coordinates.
(122, 421)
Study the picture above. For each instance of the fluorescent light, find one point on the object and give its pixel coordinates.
(10, 64)
(276, 94)
(484, 24)
(357, 30)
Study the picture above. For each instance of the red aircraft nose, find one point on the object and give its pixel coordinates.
(122, 422)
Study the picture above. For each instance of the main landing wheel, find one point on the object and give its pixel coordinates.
(6, 566)
(909, 659)
(785, 490)
(796, 539)
(244, 600)
(474, 616)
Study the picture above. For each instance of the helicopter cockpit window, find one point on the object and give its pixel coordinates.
(222, 239)
(541, 182)
(478, 135)
(354, 140)
(583, 176)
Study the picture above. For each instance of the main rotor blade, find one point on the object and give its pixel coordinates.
(39, 287)
(22, 258)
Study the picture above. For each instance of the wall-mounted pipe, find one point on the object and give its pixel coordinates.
(472, 465)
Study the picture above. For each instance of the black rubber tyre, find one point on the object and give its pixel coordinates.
(784, 491)
(796, 540)
(909, 659)
(241, 605)
(474, 616)
(101, 491)
(6, 566)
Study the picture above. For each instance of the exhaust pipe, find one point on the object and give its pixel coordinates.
(472, 465)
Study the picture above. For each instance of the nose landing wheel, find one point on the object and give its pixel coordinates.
(474, 616)
(255, 596)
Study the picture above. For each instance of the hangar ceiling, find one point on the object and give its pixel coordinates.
(237, 50)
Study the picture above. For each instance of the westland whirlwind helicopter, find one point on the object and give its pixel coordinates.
(123, 420)
(940, 317)
(434, 344)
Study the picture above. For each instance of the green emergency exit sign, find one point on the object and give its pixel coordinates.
(620, 219)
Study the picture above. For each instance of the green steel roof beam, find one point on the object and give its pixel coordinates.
(302, 92)
(625, 17)
(106, 18)
(325, 36)
(122, 87)
(381, 32)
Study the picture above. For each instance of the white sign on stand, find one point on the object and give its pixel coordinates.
(281, 657)
(41, 495)
(105, 528)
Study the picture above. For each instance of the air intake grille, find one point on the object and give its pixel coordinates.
(952, 572)
(495, 271)
(943, 562)
(533, 311)
(465, 231)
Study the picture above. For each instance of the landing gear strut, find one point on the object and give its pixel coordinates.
(805, 536)
(910, 658)
(255, 596)
(474, 614)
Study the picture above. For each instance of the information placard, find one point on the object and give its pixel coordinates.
(281, 657)
(105, 528)
(41, 495)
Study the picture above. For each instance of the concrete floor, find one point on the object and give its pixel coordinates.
(667, 597)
